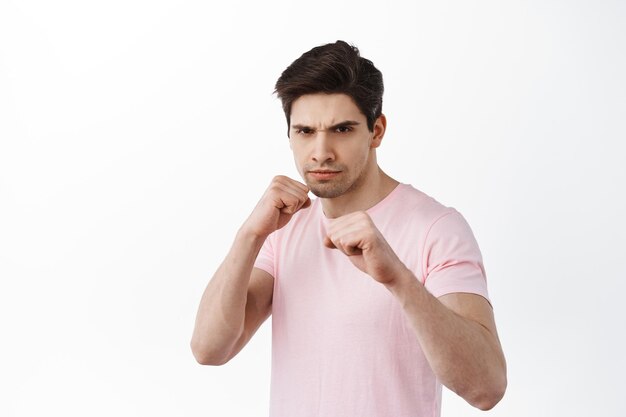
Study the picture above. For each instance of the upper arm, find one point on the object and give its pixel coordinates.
(477, 309)
(258, 305)
(472, 307)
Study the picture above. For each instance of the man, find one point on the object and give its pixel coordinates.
(377, 291)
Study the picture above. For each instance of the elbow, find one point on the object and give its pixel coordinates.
(209, 360)
(486, 399)
(205, 356)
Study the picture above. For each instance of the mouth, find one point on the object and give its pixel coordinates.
(323, 174)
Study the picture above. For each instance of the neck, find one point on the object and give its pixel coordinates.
(371, 190)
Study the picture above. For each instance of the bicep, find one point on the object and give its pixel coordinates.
(472, 307)
(258, 305)
(260, 293)
(478, 312)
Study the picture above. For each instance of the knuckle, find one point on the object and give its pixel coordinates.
(279, 179)
(274, 188)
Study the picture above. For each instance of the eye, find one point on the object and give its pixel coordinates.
(344, 129)
(304, 131)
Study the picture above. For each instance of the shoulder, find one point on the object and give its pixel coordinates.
(417, 208)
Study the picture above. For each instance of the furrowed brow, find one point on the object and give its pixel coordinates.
(343, 124)
(333, 127)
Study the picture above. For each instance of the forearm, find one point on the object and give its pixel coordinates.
(221, 314)
(465, 355)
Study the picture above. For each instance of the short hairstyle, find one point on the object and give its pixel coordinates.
(333, 68)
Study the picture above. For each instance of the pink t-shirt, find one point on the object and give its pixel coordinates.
(341, 343)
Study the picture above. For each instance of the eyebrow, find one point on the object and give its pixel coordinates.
(333, 127)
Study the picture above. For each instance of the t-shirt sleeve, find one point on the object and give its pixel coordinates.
(265, 258)
(452, 259)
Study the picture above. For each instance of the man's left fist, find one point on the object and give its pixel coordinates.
(356, 235)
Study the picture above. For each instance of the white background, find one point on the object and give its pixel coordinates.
(136, 136)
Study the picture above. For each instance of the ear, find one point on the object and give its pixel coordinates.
(380, 125)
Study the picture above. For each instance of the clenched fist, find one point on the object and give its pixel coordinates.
(282, 199)
(357, 236)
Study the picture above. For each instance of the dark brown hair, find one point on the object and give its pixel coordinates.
(333, 68)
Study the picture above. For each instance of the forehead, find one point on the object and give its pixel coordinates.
(319, 110)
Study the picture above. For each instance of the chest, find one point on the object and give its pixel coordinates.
(318, 291)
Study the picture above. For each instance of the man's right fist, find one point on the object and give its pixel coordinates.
(282, 199)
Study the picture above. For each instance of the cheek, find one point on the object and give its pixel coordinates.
(359, 155)
(298, 159)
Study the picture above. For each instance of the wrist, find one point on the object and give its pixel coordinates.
(403, 283)
(251, 236)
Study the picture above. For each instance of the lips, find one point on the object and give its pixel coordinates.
(323, 174)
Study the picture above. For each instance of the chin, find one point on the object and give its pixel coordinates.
(329, 191)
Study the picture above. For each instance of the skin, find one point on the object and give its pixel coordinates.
(457, 331)
(349, 149)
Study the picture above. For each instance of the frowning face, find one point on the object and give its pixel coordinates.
(331, 144)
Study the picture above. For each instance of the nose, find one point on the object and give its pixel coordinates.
(322, 148)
